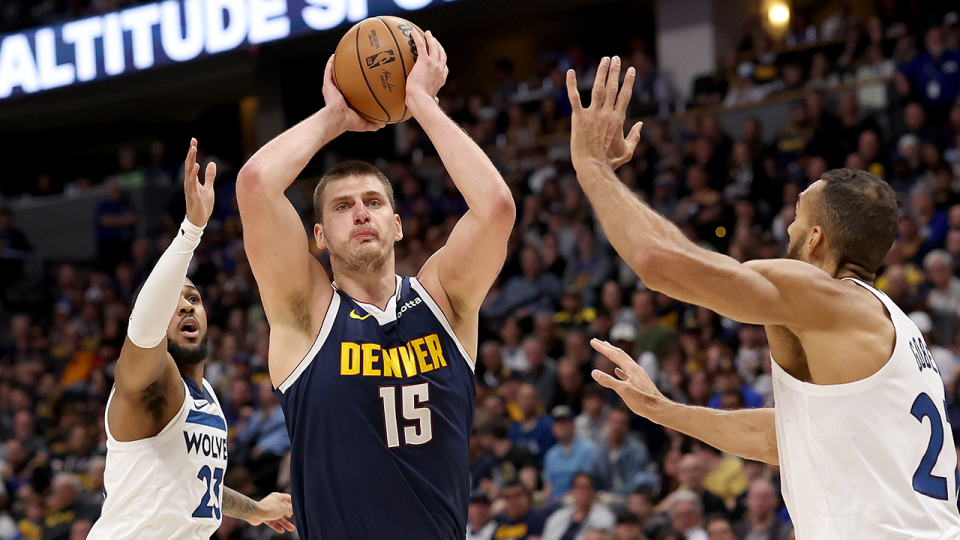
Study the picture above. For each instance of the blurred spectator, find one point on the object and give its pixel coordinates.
(63, 507)
(542, 373)
(519, 520)
(686, 515)
(622, 462)
(933, 74)
(761, 522)
(568, 457)
(479, 523)
(628, 528)
(570, 385)
(591, 423)
(532, 291)
(574, 520)
(116, 219)
(534, 431)
(262, 440)
(719, 528)
(652, 335)
(691, 471)
(510, 462)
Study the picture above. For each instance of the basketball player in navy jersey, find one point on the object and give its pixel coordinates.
(374, 370)
(859, 428)
(166, 434)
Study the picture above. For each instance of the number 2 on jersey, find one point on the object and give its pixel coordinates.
(410, 396)
(206, 509)
(924, 481)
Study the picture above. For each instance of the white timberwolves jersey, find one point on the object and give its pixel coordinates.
(873, 458)
(169, 486)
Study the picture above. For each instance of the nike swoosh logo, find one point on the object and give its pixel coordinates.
(353, 315)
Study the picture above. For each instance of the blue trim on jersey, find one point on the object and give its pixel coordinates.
(206, 419)
(197, 391)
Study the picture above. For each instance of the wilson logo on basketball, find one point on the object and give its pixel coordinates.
(381, 58)
(374, 40)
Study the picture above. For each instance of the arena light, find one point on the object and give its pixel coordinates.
(779, 14)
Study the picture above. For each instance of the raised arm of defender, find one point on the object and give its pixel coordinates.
(145, 372)
(465, 268)
(292, 283)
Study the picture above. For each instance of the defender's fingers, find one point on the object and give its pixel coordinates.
(210, 174)
(600, 83)
(572, 92)
(274, 525)
(616, 355)
(633, 138)
(613, 83)
(191, 157)
(287, 524)
(626, 92)
(607, 381)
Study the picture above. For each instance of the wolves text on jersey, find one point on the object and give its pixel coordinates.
(371, 360)
(208, 445)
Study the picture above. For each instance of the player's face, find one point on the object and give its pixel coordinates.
(799, 230)
(359, 227)
(187, 332)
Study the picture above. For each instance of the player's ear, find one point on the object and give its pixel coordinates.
(816, 241)
(318, 236)
(399, 235)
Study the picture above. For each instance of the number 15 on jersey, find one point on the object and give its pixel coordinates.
(418, 428)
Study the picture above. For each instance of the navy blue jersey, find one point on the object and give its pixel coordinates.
(379, 414)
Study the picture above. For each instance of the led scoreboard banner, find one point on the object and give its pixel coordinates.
(164, 33)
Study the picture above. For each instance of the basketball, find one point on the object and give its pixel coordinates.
(371, 65)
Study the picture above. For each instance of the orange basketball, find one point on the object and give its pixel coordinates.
(371, 65)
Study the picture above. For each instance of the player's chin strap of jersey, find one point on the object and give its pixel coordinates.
(160, 294)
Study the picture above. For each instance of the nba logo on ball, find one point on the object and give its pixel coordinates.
(371, 65)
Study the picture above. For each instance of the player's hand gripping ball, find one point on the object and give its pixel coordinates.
(371, 65)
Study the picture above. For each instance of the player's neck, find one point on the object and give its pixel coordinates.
(194, 372)
(369, 287)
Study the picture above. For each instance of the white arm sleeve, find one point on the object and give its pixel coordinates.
(160, 293)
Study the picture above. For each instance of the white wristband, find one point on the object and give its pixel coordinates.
(160, 294)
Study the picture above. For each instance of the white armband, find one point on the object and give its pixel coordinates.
(160, 294)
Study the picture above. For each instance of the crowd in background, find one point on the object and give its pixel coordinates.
(552, 455)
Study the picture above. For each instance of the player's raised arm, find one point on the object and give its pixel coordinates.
(143, 359)
(467, 265)
(292, 283)
(656, 249)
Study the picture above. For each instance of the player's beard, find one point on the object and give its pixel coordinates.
(369, 257)
(793, 248)
(190, 355)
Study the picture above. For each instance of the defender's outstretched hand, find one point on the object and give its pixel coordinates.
(199, 194)
(274, 511)
(597, 131)
(430, 72)
(634, 384)
(346, 118)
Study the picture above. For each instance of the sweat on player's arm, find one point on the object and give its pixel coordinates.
(748, 433)
(473, 255)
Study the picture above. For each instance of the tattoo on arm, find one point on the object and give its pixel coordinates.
(237, 505)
